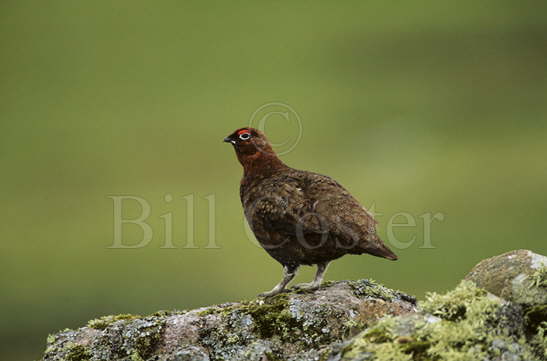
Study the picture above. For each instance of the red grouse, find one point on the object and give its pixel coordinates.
(300, 217)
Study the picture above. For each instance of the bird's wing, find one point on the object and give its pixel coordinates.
(309, 203)
(339, 211)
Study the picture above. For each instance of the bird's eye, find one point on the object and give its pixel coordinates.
(244, 136)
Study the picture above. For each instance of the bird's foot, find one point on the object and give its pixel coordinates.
(307, 286)
(272, 292)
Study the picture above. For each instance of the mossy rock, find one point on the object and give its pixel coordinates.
(492, 316)
(465, 324)
(294, 325)
(518, 276)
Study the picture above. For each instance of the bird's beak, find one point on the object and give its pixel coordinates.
(229, 140)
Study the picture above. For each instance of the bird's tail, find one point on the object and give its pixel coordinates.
(381, 250)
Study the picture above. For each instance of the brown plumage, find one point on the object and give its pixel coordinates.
(300, 217)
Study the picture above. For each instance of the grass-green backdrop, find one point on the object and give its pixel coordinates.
(415, 107)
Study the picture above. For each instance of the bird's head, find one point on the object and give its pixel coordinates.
(253, 149)
(249, 141)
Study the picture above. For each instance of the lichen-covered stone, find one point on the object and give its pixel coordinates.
(489, 317)
(518, 276)
(298, 325)
(120, 338)
(465, 324)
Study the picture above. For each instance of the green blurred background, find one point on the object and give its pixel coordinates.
(415, 107)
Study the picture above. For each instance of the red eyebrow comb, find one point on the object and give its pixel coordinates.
(243, 131)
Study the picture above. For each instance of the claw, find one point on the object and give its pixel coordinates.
(307, 286)
(288, 274)
(270, 293)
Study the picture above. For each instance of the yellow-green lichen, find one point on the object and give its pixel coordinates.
(469, 324)
(135, 356)
(126, 337)
(539, 278)
(103, 322)
(530, 289)
(76, 352)
(376, 343)
(50, 339)
(454, 304)
(272, 317)
(370, 288)
(215, 310)
(539, 341)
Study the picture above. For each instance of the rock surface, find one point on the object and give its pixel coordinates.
(513, 276)
(296, 325)
(465, 324)
(348, 320)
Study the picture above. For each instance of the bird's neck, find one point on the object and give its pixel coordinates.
(260, 164)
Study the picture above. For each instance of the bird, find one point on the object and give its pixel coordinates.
(300, 217)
